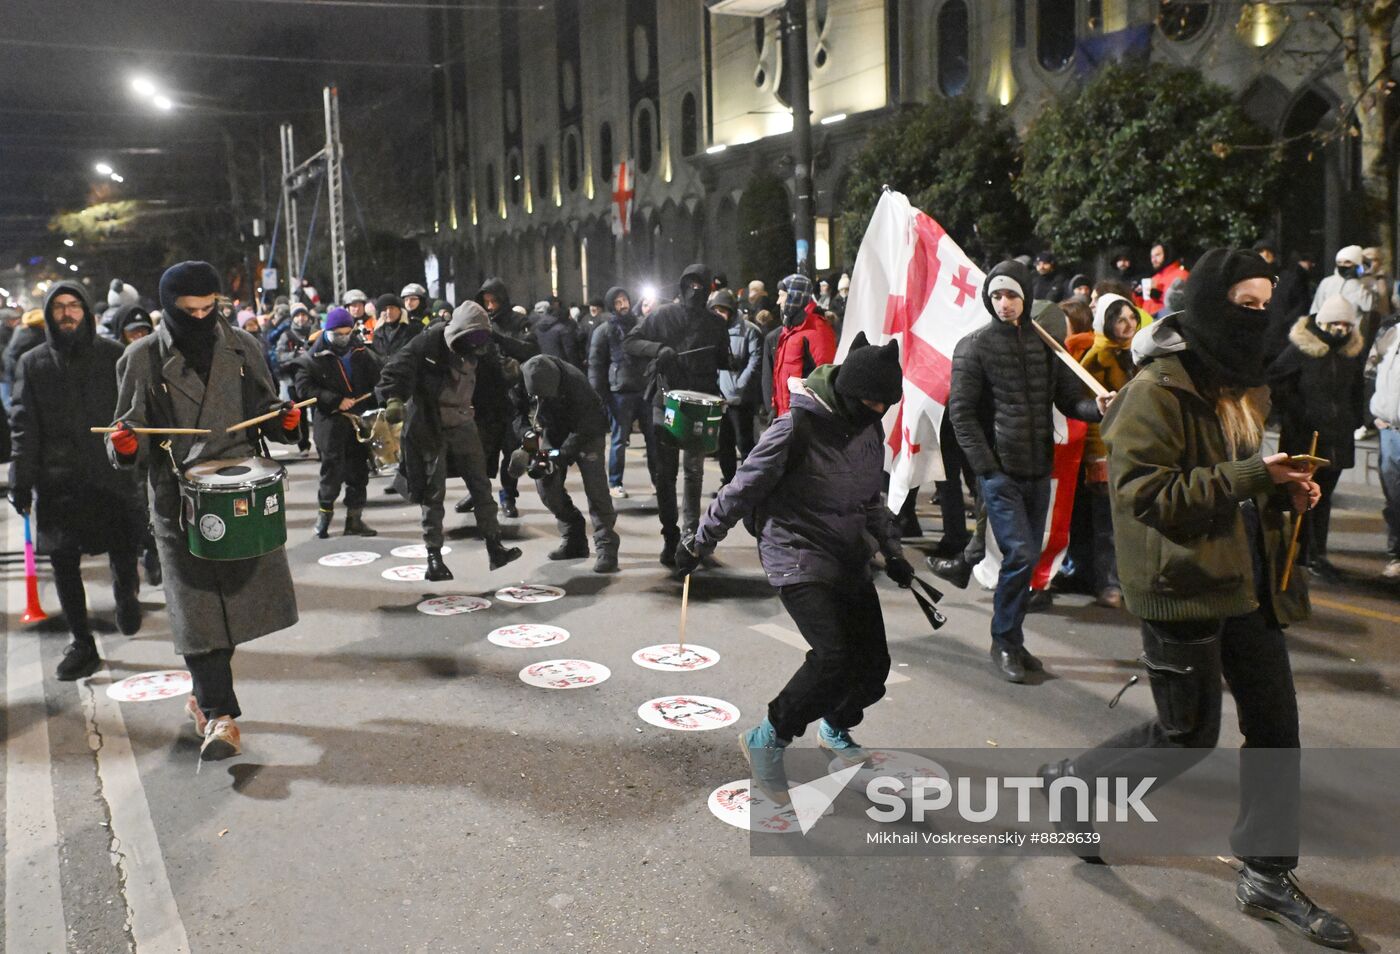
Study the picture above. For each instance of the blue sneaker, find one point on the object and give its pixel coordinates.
(763, 750)
(840, 744)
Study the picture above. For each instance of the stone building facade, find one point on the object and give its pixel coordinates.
(534, 109)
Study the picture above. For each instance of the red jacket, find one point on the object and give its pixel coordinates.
(789, 360)
(1160, 283)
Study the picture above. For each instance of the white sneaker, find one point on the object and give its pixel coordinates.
(618, 493)
(1392, 570)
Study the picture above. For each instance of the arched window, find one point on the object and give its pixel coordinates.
(605, 151)
(1054, 46)
(492, 192)
(1182, 20)
(645, 138)
(954, 66)
(690, 126)
(571, 160)
(541, 173)
(515, 188)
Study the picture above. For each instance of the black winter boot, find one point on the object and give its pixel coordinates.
(570, 548)
(323, 522)
(437, 570)
(508, 508)
(670, 538)
(499, 554)
(80, 660)
(465, 505)
(607, 559)
(128, 611)
(1276, 896)
(355, 525)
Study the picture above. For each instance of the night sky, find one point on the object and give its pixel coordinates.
(63, 108)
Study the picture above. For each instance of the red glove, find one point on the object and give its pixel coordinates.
(291, 418)
(124, 440)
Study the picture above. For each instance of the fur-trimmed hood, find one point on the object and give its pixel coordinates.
(1307, 337)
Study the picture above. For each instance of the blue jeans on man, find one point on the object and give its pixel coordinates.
(625, 407)
(1390, 484)
(1016, 513)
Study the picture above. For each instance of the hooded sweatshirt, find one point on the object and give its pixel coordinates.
(455, 400)
(1110, 362)
(699, 338)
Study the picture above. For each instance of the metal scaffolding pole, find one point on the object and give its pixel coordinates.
(289, 200)
(335, 155)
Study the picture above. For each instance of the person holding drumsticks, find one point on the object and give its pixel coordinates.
(199, 372)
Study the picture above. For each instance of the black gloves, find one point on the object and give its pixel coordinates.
(899, 570)
(21, 498)
(687, 556)
(666, 358)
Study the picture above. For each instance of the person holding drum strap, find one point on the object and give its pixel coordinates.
(198, 372)
(687, 344)
(338, 378)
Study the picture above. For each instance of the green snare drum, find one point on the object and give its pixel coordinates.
(234, 509)
(692, 420)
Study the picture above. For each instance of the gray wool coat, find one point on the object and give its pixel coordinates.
(212, 604)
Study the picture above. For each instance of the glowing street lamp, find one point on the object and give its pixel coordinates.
(143, 87)
(103, 169)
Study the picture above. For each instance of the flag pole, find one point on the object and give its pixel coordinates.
(1089, 380)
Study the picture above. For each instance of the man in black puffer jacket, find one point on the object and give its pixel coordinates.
(1005, 379)
(495, 414)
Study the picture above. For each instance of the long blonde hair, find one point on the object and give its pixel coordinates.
(1241, 414)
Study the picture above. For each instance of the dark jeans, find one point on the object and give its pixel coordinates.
(670, 460)
(1016, 513)
(1313, 544)
(844, 672)
(1185, 662)
(350, 468)
(736, 439)
(1092, 560)
(595, 487)
(952, 505)
(623, 410)
(72, 598)
(1390, 486)
(212, 675)
(461, 447)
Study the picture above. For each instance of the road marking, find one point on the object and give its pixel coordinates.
(788, 638)
(33, 892)
(1356, 610)
(154, 918)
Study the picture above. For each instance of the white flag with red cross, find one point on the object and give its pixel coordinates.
(624, 190)
(913, 283)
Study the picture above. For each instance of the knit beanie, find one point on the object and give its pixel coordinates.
(871, 373)
(387, 301)
(1336, 309)
(338, 318)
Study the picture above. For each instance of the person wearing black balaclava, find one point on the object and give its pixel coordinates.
(80, 505)
(687, 344)
(1201, 522)
(341, 377)
(813, 488)
(197, 371)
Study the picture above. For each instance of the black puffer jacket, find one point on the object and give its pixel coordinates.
(1317, 385)
(322, 376)
(62, 388)
(1005, 379)
(698, 337)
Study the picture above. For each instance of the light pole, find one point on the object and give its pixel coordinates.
(794, 20)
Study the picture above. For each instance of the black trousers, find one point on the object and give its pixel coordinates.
(498, 440)
(952, 505)
(670, 461)
(1185, 662)
(844, 672)
(72, 598)
(212, 675)
(348, 466)
(736, 439)
(1313, 540)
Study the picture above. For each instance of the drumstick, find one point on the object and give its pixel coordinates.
(1089, 380)
(152, 430)
(1297, 526)
(243, 425)
(685, 605)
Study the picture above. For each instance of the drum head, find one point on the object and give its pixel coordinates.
(695, 397)
(240, 472)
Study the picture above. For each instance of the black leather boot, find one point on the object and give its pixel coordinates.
(607, 560)
(465, 505)
(955, 570)
(508, 508)
(1008, 664)
(1276, 896)
(355, 525)
(499, 554)
(79, 661)
(669, 541)
(128, 611)
(437, 570)
(570, 548)
(323, 522)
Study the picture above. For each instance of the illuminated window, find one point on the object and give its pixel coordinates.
(822, 251)
(954, 68)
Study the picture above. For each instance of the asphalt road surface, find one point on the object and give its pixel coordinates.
(401, 789)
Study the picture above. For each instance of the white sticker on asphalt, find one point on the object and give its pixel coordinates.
(892, 763)
(529, 593)
(453, 605)
(348, 558)
(688, 713)
(527, 636)
(671, 657)
(415, 551)
(564, 674)
(743, 807)
(148, 686)
(408, 573)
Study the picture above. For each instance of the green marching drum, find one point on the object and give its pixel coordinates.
(234, 509)
(692, 420)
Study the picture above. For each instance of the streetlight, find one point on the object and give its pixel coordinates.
(162, 103)
(103, 169)
(143, 87)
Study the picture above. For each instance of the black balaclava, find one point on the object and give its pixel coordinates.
(1227, 339)
(195, 337)
(694, 299)
(869, 372)
(68, 343)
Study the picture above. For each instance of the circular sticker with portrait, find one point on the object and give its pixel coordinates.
(564, 674)
(453, 605)
(149, 686)
(892, 763)
(741, 805)
(671, 657)
(529, 593)
(689, 713)
(527, 636)
(415, 551)
(348, 558)
(408, 573)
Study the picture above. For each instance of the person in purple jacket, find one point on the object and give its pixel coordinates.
(813, 486)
